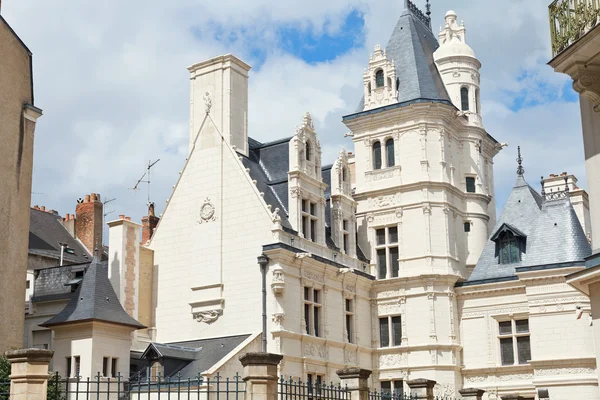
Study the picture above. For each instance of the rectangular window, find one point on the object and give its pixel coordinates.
(470, 184)
(312, 311)
(467, 226)
(114, 372)
(384, 332)
(315, 384)
(346, 236)
(105, 367)
(28, 284)
(77, 365)
(349, 320)
(392, 389)
(515, 343)
(68, 369)
(387, 252)
(309, 220)
(397, 330)
(390, 331)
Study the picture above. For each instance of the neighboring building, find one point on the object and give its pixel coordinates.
(575, 35)
(390, 259)
(18, 117)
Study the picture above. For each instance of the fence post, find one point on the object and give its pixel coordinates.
(260, 375)
(29, 373)
(471, 394)
(422, 389)
(355, 379)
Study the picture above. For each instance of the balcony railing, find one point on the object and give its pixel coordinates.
(570, 20)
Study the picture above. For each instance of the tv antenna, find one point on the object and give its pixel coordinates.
(104, 214)
(146, 174)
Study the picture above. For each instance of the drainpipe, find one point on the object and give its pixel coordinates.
(263, 261)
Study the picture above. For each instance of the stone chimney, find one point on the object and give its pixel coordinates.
(149, 223)
(69, 224)
(88, 222)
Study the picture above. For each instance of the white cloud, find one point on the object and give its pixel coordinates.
(111, 77)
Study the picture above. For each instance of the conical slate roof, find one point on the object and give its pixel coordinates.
(411, 46)
(94, 300)
(553, 234)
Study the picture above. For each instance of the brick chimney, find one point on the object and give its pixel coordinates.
(88, 222)
(149, 223)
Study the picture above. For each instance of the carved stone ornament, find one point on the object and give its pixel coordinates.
(278, 318)
(588, 84)
(207, 102)
(208, 317)
(278, 281)
(207, 211)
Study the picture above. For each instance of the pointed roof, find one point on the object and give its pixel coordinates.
(411, 47)
(94, 300)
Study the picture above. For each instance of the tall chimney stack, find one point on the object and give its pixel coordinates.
(88, 223)
(149, 223)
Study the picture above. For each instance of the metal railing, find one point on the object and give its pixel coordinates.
(298, 390)
(160, 388)
(570, 20)
(390, 395)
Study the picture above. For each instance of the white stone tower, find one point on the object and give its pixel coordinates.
(459, 68)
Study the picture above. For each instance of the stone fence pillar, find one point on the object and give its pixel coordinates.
(260, 375)
(471, 394)
(355, 379)
(421, 389)
(29, 373)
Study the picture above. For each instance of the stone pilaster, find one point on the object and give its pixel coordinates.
(29, 373)
(471, 394)
(421, 389)
(356, 380)
(260, 375)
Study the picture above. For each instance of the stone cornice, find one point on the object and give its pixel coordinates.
(490, 289)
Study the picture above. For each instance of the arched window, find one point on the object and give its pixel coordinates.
(509, 249)
(389, 153)
(376, 155)
(379, 79)
(344, 175)
(464, 99)
(307, 150)
(477, 102)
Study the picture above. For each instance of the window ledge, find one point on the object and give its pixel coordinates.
(384, 173)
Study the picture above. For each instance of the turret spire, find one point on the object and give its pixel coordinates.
(520, 169)
(428, 8)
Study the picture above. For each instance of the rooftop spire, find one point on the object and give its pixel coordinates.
(428, 8)
(520, 169)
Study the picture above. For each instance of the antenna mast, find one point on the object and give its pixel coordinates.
(141, 180)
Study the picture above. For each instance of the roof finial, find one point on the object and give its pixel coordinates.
(520, 169)
(542, 183)
(428, 8)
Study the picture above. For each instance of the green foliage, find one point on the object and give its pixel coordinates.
(4, 378)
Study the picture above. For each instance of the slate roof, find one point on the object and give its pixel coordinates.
(51, 283)
(268, 164)
(193, 357)
(46, 232)
(94, 300)
(411, 46)
(553, 235)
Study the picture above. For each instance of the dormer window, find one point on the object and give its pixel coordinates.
(510, 243)
(377, 155)
(379, 80)
(510, 252)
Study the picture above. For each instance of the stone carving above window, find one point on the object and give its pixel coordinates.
(207, 317)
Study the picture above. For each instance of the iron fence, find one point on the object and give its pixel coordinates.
(299, 390)
(390, 395)
(159, 388)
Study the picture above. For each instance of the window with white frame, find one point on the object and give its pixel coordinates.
(309, 220)
(392, 389)
(514, 339)
(345, 236)
(77, 361)
(390, 331)
(387, 252)
(349, 311)
(312, 311)
(114, 372)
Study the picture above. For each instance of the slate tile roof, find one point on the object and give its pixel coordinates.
(94, 300)
(46, 232)
(411, 46)
(553, 234)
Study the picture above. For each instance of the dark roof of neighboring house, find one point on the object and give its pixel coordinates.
(46, 232)
(553, 234)
(411, 46)
(94, 300)
(189, 359)
(52, 284)
(269, 164)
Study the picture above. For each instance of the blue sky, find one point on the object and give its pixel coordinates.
(112, 81)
